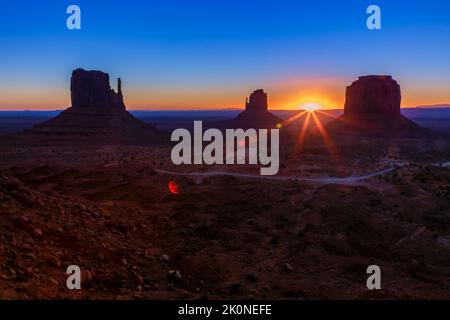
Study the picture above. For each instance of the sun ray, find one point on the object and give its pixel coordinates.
(340, 119)
(293, 118)
(326, 114)
(301, 138)
(329, 144)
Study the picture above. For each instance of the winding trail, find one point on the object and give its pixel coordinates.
(319, 180)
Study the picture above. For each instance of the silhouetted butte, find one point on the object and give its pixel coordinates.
(372, 104)
(96, 111)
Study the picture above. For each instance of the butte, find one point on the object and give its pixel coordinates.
(372, 105)
(256, 114)
(97, 113)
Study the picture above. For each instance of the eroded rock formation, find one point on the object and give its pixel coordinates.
(91, 89)
(373, 95)
(257, 102)
(256, 114)
(97, 110)
(372, 103)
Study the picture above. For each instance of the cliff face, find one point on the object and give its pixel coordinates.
(372, 96)
(372, 104)
(256, 114)
(96, 111)
(257, 102)
(91, 89)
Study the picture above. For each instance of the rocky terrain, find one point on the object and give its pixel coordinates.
(102, 202)
(106, 210)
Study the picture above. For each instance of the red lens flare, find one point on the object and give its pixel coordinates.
(173, 187)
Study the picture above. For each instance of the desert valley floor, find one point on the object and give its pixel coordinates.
(106, 209)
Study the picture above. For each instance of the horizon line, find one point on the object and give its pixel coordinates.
(433, 106)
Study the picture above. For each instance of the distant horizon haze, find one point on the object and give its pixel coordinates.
(437, 106)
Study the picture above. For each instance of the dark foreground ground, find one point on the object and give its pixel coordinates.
(105, 209)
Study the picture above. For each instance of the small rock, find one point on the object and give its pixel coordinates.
(140, 280)
(30, 272)
(236, 288)
(252, 276)
(52, 260)
(100, 256)
(37, 232)
(288, 267)
(31, 256)
(175, 274)
(165, 257)
(86, 276)
(104, 277)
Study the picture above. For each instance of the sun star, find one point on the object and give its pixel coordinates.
(310, 107)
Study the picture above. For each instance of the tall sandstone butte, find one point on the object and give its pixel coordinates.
(97, 110)
(372, 103)
(373, 95)
(256, 114)
(91, 89)
(257, 102)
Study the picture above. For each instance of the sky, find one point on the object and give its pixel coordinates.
(192, 54)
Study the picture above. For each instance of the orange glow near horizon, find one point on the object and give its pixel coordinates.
(326, 138)
(314, 97)
(310, 103)
(311, 107)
